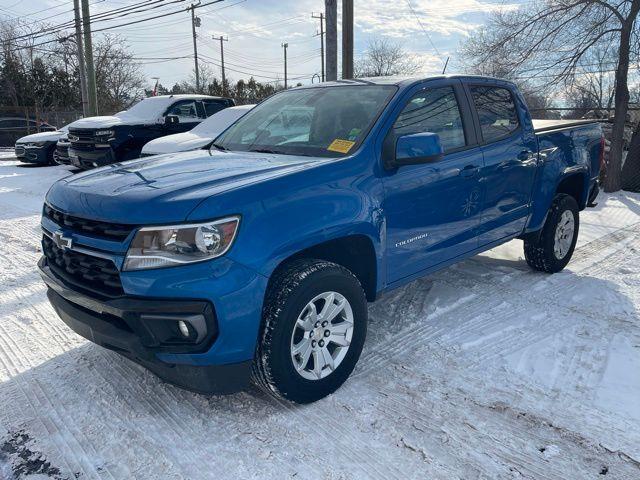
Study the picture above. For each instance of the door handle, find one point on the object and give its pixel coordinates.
(469, 171)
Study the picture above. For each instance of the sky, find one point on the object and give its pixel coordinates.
(430, 30)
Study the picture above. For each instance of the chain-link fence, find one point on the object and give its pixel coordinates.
(16, 122)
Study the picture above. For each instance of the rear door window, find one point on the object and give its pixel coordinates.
(433, 110)
(214, 106)
(497, 112)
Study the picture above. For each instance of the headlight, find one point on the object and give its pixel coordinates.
(104, 133)
(156, 247)
(36, 144)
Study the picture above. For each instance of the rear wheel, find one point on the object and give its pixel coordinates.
(551, 249)
(314, 327)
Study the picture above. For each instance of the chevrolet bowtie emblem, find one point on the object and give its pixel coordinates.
(61, 241)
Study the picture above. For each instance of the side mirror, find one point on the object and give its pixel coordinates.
(417, 148)
(171, 120)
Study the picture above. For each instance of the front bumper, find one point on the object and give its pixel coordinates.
(61, 155)
(32, 154)
(121, 324)
(87, 159)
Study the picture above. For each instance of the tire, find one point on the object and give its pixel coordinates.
(546, 251)
(290, 298)
(50, 158)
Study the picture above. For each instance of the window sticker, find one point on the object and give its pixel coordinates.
(342, 146)
(353, 134)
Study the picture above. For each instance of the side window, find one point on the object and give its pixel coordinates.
(496, 111)
(211, 107)
(185, 110)
(433, 110)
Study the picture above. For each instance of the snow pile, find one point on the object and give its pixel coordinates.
(483, 370)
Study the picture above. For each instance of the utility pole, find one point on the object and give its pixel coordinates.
(224, 82)
(195, 22)
(92, 94)
(331, 17)
(347, 38)
(80, 50)
(285, 46)
(321, 34)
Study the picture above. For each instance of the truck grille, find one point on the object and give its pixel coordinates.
(91, 228)
(85, 272)
(82, 139)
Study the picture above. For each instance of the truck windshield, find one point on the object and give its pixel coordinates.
(322, 122)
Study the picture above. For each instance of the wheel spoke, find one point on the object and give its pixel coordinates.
(303, 349)
(341, 328)
(331, 309)
(309, 319)
(328, 359)
(318, 363)
(339, 340)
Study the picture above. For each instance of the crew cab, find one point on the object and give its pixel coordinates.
(256, 259)
(98, 141)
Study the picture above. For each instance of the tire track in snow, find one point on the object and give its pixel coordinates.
(402, 343)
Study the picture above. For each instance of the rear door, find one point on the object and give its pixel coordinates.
(432, 210)
(510, 160)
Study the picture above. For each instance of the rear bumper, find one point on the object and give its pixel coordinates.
(121, 325)
(87, 159)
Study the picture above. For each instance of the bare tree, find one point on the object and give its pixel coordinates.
(383, 58)
(118, 77)
(548, 40)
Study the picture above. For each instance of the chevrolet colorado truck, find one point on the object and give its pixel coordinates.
(256, 259)
(98, 141)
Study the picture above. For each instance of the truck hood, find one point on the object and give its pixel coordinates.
(166, 188)
(179, 142)
(42, 137)
(104, 122)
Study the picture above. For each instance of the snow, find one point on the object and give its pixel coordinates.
(483, 370)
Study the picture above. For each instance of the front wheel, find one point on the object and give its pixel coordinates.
(551, 249)
(314, 327)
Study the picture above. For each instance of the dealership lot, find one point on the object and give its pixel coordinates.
(483, 370)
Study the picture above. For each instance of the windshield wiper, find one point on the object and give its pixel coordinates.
(219, 147)
(267, 150)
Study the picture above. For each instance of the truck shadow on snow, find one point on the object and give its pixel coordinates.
(100, 400)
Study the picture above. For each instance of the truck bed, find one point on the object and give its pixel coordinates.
(541, 126)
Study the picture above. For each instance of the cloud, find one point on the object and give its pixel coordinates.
(442, 17)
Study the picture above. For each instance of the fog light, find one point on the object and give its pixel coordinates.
(95, 164)
(184, 329)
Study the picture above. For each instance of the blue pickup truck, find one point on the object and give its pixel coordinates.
(255, 260)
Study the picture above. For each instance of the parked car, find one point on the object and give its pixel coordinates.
(13, 128)
(256, 258)
(97, 141)
(201, 136)
(39, 147)
(61, 152)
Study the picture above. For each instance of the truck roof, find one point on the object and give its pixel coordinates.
(403, 81)
(186, 96)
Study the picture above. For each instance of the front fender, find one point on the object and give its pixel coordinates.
(284, 215)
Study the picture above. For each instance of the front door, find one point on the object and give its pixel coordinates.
(432, 210)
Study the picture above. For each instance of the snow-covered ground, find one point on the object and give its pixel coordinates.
(483, 370)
